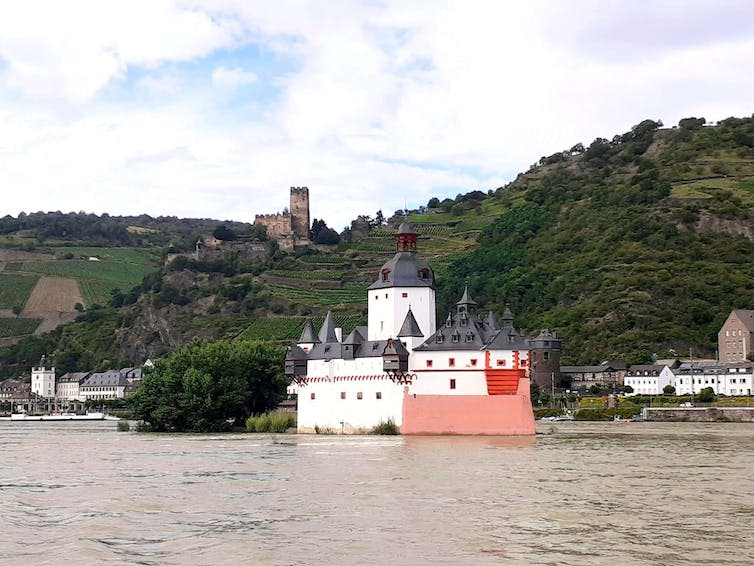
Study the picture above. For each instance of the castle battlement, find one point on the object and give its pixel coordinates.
(289, 229)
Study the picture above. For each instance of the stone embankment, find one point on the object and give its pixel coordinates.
(702, 414)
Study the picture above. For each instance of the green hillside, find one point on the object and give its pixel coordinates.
(627, 247)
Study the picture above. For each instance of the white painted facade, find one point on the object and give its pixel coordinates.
(388, 308)
(731, 381)
(43, 381)
(644, 383)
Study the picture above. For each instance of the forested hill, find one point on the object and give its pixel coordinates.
(629, 247)
(636, 245)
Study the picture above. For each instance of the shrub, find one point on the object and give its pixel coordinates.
(124, 426)
(274, 421)
(386, 427)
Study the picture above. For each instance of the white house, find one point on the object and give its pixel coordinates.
(469, 376)
(43, 381)
(68, 387)
(648, 379)
(724, 379)
(110, 384)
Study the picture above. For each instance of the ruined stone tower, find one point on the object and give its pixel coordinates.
(291, 227)
(300, 215)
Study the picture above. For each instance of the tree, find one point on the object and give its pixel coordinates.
(222, 232)
(668, 390)
(17, 309)
(706, 395)
(205, 386)
(434, 202)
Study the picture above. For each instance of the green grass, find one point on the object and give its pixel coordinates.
(18, 326)
(276, 421)
(15, 289)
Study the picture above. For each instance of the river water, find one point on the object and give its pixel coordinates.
(579, 493)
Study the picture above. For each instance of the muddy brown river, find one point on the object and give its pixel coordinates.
(579, 494)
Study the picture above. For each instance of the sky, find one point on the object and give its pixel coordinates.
(213, 109)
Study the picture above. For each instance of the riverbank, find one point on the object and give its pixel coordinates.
(700, 414)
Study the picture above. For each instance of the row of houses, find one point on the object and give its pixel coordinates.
(690, 378)
(84, 386)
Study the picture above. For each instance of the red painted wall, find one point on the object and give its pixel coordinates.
(470, 414)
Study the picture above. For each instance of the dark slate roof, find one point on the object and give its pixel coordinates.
(367, 349)
(327, 332)
(508, 338)
(490, 320)
(355, 337)
(507, 317)
(410, 327)
(405, 269)
(466, 331)
(74, 377)
(307, 335)
(466, 299)
(747, 317)
(108, 378)
(295, 353)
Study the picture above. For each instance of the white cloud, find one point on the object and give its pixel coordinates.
(369, 104)
(231, 79)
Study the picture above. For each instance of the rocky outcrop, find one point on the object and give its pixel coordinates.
(708, 222)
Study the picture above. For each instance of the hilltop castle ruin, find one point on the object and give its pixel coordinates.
(289, 228)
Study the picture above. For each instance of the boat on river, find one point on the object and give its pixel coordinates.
(566, 416)
(24, 417)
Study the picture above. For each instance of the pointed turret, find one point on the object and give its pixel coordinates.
(410, 327)
(507, 318)
(490, 321)
(327, 332)
(307, 335)
(466, 304)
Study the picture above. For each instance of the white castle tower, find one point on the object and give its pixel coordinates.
(405, 282)
(43, 380)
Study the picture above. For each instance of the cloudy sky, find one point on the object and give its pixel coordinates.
(213, 109)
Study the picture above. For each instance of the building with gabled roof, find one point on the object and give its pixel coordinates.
(736, 337)
(468, 376)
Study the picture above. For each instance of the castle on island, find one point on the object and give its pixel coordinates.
(467, 375)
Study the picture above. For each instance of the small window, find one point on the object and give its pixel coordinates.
(404, 295)
(473, 363)
(327, 349)
(359, 395)
(313, 395)
(456, 337)
(342, 394)
(378, 395)
(523, 363)
(429, 363)
(501, 362)
(376, 297)
(546, 355)
(452, 362)
(452, 383)
(386, 295)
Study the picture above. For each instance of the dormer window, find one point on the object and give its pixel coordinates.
(456, 337)
(423, 273)
(440, 338)
(385, 274)
(469, 337)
